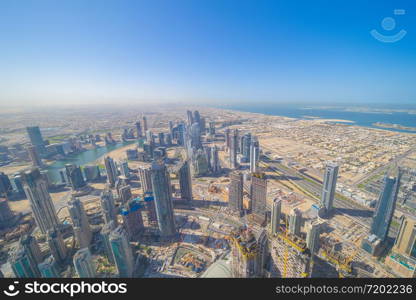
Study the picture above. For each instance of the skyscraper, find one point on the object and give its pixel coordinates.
(49, 268)
(82, 230)
(83, 264)
(139, 131)
(23, 265)
(74, 175)
(40, 201)
(145, 128)
(405, 243)
(111, 170)
(235, 193)
(313, 230)
(329, 186)
(34, 156)
(249, 253)
(215, 161)
(36, 139)
(233, 149)
(163, 200)
(246, 146)
(185, 181)
(105, 237)
(145, 179)
(295, 222)
(132, 217)
(122, 252)
(276, 214)
(6, 215)
(195, 136)
(199, 163)
(258, 193)
(385, 208)
(57, 245)
(254, 154)
(108, 207)
(5, 185)
(190, 118)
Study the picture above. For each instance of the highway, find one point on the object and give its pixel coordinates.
(347, 207)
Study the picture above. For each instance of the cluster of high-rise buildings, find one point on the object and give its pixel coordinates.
(126, 217)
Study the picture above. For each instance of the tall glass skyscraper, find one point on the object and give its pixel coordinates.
(83, 264)
(36, 138)
(328, 189)
(36, 191)
(163, 200)
(385, 208)
(185, 181)
(122, 253)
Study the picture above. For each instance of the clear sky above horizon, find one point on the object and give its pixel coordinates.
(78, 52)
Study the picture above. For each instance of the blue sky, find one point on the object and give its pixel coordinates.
(204, 51)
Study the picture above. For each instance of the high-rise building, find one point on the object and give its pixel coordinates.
(249, 253)
(145, 179)
(190, 117)
(258, 194)
(122, 252)
(185, 181)
(254, 154)
(405, 243)
(36, 139)
(49, 268)
(132, 217)
(195, 136)
(233, 149)
(276, 214)
(208, 156)
(83, 264)
(74, 175)
(313, 230)
(5, 185)
(124, 169)
(124, 193)
(199, 163)
(105, 237)
(145, 128)
(6, 215)
(197, 117)
(23, 264)
(245, 146)
(31, 246)
(57, 245)
(111, 170)
(295, 222)
(215, 161)
(139, 131)
(212, 128)
(92, 173)
(163, 200)
(235, 193)
(34, 156)
(108, 207)
(82, 230)
(329, 186)
(227, 138)
(36, 191)
(385, 208)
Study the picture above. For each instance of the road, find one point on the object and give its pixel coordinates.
(342, 205)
